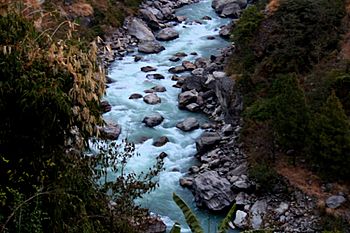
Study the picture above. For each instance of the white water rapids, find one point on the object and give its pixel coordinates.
(129, 113)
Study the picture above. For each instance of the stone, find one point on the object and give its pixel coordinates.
(159, 88)
(167, 34)
(174, 59)
(138, 58)
(212, 191)
(232, 10)
(155, 76)
(181, 18)
(177, 69)
(153, 120)
(198, 72)
(105, 106)
(180, 54)
(135, 96)
(335, 201)
(161, 141)
(225, 7)
(163, 155)
(193, 107)
(189, 66)
(188, 124)
(155, 225)
(211, 37)
(137, 28)
(186, 98)
(207, 141)
(225, 31)
(186, 182)
(150, 47)
(110, 131)
(241, 219)
(149, 91)
(150, 18)
(219, 74)
(206, 18)
(241, 199)
(227, 129)
(257, 212)
(282, 208)
(152, 99)
(147, 69)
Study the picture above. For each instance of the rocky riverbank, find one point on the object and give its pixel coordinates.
(222, 177)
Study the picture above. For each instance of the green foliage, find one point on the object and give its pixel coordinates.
(330, 139)
(264, 175)
(224, 224)
(190, 217)
(289, 113)
(176, 228)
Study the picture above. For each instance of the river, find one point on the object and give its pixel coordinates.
(129, 113)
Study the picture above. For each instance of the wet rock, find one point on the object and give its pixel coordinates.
(180, 54)
(167, 34)
(110, 131)
(163, 155)
(206, 18)
(152, 99)
(241, 219)
(161, 141)
(188, 124)
(174, 59)
(194, 53)
(207, 141)
(211, 37)
(159, 88)
(150, 47)
(225, 31)
(334, 202)
(189, 66)
(181, 18)
(193, 107)
(155, 76)
(186, 182)
(135, 96)
(177, 69)
(105, 106)
(136, 27)
(202, 62)
(212, 191)
(148, 69)
(153, 120)
(149, 91)
(187, 97)
(138, 58)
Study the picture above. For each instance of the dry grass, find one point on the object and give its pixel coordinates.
(272, 6)
(81, 9)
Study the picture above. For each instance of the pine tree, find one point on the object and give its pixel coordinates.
(330, 139)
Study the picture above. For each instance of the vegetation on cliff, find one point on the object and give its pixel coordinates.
(292, 65)
(51, 85)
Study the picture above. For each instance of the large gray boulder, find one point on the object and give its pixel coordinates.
(150, 47)
(188, 124)
(229, 8)
(257, 213)
(137, 28)
(212, 191)
(110, 131)
(207, 141)
(167, 34)
(150, 18)
(186, 98)
(152, 99)
(153, 120)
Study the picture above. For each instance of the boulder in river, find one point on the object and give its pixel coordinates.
(105, 106)
(187, 97)
(167, 34)
(177, 69)
(188, 124)
(135, 96)
(212, 191)
(150, 47)
(155, 76)
(110, 131)
(161, 141)
(147, 69)
(159, 88)
(152, 99)
(189, 66)
(153, 120)
(136, 27)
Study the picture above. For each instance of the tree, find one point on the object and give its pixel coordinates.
(330, 139)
